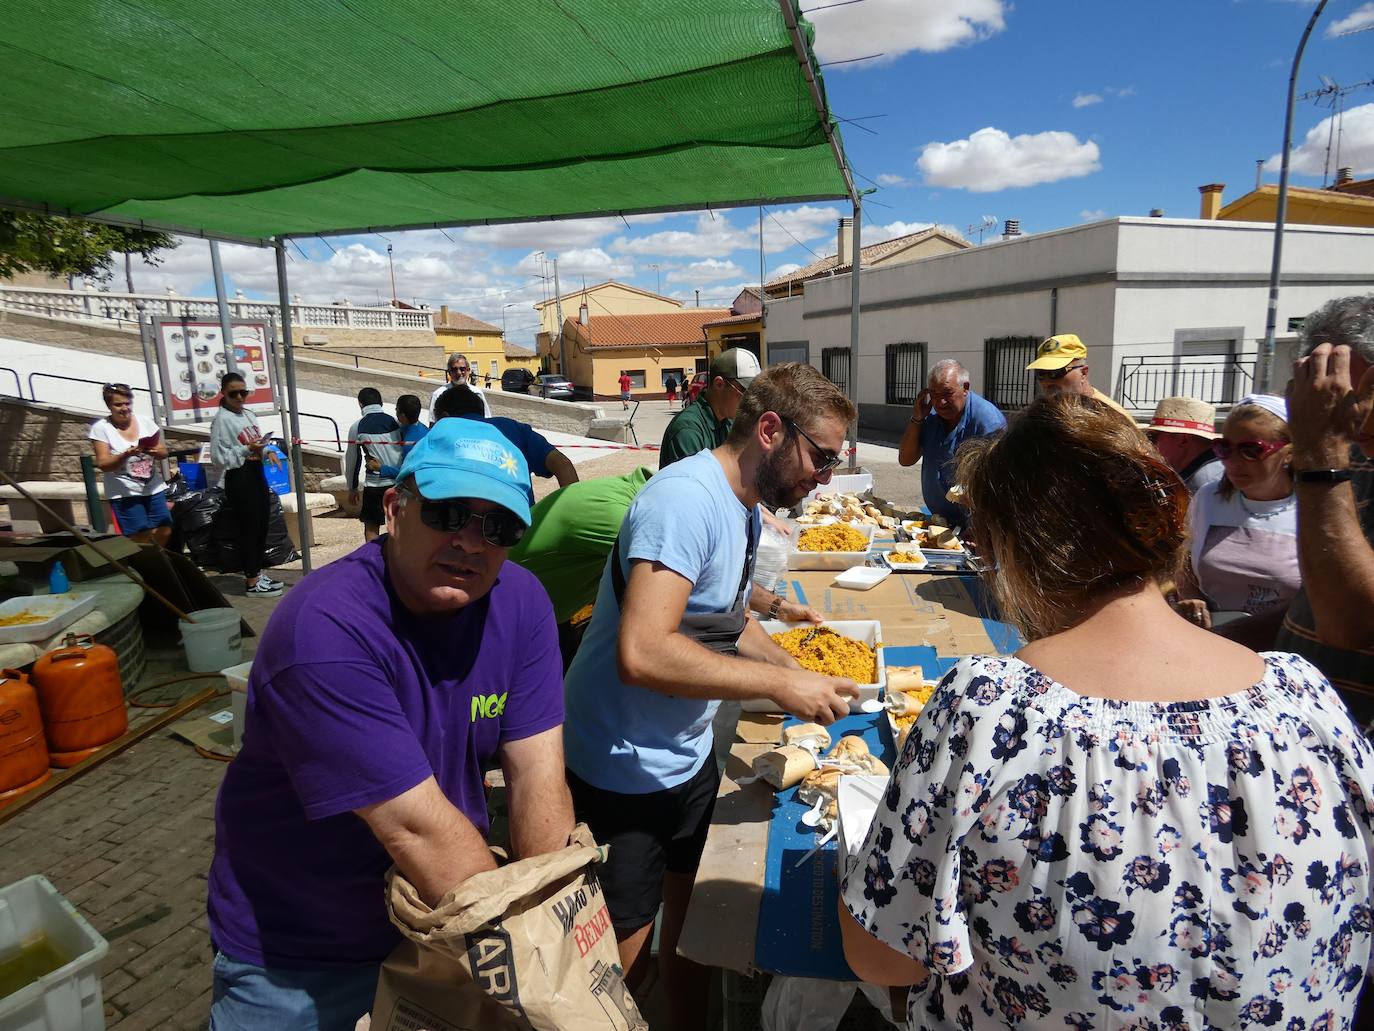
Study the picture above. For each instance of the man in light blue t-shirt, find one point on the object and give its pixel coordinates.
(669, 639)
(945, 415)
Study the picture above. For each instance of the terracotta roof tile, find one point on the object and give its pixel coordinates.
(516, 351)
(749, 316)
(462, 323)
(869, 255)
(661, 329)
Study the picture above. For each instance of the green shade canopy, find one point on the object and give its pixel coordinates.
(256, 119)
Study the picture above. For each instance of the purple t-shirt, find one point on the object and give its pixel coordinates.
(353, 700)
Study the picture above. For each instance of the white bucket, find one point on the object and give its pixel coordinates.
(213, 641)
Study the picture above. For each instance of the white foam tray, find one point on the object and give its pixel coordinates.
(59, 610)
(830, 560)
(869, 631)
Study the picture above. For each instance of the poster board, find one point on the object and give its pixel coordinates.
(192, 356)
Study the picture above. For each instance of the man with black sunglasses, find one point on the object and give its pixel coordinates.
(669, 639)
(1061, 367)
(383, 687)
(458, 372)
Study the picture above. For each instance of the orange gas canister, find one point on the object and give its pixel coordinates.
(81, 698)
(23, 751)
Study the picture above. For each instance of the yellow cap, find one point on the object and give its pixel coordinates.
(1058, 351)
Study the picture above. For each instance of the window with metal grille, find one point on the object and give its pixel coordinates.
(1006, 383)
(905, 372)
(835, 366)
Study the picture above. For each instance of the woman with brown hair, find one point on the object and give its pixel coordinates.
(129, 451)
(1131, 821)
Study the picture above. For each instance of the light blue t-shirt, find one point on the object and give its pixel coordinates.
(630, 739)
(938, 445)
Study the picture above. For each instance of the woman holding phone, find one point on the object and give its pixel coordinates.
(128, 450)
(236, 446)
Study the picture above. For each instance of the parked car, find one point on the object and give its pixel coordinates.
(698, 384)
(554, 386)
(517, 381)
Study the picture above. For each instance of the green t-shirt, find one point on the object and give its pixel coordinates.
(571, 535)
(693, 429)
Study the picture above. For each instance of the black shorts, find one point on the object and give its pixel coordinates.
(649, 835)
(372, 513)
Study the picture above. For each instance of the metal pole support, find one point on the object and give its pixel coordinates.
(854, 278)
(95, 511)
(289, 358)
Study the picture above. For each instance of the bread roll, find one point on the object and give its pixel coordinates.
(795, 735)
(848, 748)
(904, 678)
(785, 766)
(821, 784)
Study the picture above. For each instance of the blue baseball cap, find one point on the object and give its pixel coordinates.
(461, 458)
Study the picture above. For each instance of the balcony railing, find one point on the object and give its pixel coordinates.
(99, 306)
(1217, 379)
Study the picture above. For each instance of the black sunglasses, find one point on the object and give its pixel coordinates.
(501, 528)
(1056, 373)
(236, 393)
(824, 459)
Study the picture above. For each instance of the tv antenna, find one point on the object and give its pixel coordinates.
(982, 227)
(1333, 94)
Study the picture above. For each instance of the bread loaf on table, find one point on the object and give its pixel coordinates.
(848, 747)
(807, 732)
(785, 766)
(905, 678)
(822, 784)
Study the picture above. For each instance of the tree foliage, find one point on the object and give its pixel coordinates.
(30, 242)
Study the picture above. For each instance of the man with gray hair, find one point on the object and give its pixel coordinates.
(943, 416)
(1331, 418)
(459, 370)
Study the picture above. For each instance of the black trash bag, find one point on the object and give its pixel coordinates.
(225, 532)
(193, 515)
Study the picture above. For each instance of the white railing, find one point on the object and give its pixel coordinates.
(92, 305)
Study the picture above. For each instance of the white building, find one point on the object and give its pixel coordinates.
(1165, 306)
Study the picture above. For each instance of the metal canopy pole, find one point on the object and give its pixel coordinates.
(226, 328)
(1271, 318)
(854, 278)
(289, 358)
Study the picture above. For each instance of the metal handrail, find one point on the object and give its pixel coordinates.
(1216, 379)
(18, 384)
(306, 352)
(33, 394)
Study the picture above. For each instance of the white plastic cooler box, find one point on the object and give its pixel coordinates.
(68, 998)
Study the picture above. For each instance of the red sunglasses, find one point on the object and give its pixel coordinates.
(1250, 450)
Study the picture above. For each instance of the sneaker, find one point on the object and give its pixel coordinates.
(264, 578)
(264, 588)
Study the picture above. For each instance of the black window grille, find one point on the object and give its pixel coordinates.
(835, 366)
(1006, 383)
(906, 372)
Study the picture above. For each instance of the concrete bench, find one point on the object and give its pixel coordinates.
(616, 429)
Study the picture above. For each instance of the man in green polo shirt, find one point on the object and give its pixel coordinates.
(705, 423)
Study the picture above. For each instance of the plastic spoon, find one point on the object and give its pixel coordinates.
(812, 817)
(819, 845)
(872, 705)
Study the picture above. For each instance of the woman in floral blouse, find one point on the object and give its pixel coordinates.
(1131, 823)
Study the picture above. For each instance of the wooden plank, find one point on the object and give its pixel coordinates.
(120, 744)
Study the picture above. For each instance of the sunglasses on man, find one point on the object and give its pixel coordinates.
(1249, 450)
(1053, 374)
(823, 459)
(236, 393)
(501, 528)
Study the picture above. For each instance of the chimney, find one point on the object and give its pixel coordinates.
(845, 255)
(1345, 175)
(1211, 200)
(583, 315)
(1011, 229)
(443, 314)
(1156, 212)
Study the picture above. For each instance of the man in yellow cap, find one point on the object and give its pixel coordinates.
(1061, 367)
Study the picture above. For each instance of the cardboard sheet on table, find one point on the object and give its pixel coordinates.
(759, 728)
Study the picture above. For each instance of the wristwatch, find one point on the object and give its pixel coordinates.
(775, 608)
(1323, 475)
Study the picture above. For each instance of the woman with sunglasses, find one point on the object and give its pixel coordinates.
(236, 446)
(1244, 555)
(129, 450)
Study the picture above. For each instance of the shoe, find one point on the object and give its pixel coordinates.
(264, 588)
(264, 578)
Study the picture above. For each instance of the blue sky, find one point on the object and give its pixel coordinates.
(1053, 113)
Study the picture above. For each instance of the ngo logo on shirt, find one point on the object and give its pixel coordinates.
(488, 706)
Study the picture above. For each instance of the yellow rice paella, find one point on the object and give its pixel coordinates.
(822, 650)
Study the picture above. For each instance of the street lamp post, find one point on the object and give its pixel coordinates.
(392, 266)
(513, 304)
(1266, 363)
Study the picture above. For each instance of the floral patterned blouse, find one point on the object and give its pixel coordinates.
(1058, 861)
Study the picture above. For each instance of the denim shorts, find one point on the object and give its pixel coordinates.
(141, 512)
(253, 998)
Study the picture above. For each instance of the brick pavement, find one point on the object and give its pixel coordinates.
(129, 845)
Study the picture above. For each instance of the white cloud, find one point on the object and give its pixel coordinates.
(785, 269)
(718, 237)
(888, 179)
(896, 27)
(1095, 215)
(1121, 91)
(551, 236)
(711, 270)
(1357, 145)
(991, 160)
(1360, 18)
(1087, 99)
(877, 234)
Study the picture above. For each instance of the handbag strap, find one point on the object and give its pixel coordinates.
(618, 575)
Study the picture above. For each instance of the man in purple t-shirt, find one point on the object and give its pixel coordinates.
(382, 688)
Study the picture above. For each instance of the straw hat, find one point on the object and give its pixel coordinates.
(1185, 415)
